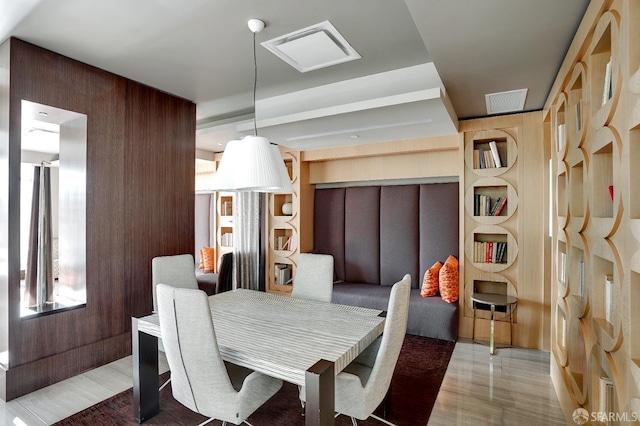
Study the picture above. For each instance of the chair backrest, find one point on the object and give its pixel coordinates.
(395, 328)
(176, 271)
(199, 379)
(314, 277)
(225, 273)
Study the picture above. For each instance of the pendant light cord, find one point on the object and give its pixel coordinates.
(255, 84)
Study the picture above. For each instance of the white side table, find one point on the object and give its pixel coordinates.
(493, 300)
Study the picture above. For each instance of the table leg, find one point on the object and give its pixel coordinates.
(146, 396)
(473, 324)
(491, 335)
(320, 394)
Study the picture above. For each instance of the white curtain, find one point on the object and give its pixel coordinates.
(246, 240)
(39, 272)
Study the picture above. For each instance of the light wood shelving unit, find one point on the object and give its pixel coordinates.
(596, 219)
(482, 276)
(289, 233)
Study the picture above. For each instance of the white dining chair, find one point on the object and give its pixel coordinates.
(313, 279)
(201, 380)
(177, 271)
(363, 384)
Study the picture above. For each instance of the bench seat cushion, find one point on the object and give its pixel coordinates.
(428, 316)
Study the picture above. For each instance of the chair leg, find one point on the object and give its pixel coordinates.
(386, 422)
(210, 420)
(353, 421)
(164, 384)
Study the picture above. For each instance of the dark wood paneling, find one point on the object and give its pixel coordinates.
(46, 371)
(140, 204)
(159, 194)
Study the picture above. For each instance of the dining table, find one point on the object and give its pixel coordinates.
(300, 341)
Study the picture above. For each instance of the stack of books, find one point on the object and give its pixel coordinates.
(283, 274)
(483, 205)
(487, 158)
(490, 252)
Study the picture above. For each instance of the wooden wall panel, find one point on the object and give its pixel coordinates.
(410, 159)
(140, 185)
(160, 167)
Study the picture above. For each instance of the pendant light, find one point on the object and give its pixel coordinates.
(252, 164)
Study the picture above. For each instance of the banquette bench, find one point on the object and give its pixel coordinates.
(377, 234)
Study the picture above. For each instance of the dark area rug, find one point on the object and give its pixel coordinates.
(414, 388)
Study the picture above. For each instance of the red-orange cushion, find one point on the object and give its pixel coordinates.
(430, 282)
(449, 280)
(208, 254)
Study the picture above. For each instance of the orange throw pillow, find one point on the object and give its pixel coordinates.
(449, 283)
(430, 282)
(209, 258)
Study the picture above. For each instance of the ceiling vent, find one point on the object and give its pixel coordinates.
(312, 48)
(502, 102)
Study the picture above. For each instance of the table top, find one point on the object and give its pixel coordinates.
(282, 336)
(494, 299)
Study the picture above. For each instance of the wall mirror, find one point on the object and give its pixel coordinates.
(52, 210)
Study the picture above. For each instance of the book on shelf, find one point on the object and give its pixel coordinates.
(282, 242)
(282, 274)
(495, 154)
(607, 89)
(611, 192)
(227, 208)
(609, 298)
(483, 205)
(562, 268)
(578, 115)
(562, 137)
(489, 251)
(607, 395)
(476, 159)
(487, 158)
(226, 239)
(498, 209)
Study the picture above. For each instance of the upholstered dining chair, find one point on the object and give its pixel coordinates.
(176, 271)
(363, 384)
(314, 277)
(201, 380)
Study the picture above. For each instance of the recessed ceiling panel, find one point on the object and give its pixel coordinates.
(312, 48)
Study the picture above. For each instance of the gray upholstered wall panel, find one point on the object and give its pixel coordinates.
(362, 234)
(329, 226)
(399, 236)
(439, 223)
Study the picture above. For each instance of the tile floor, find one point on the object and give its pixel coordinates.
(512, 387)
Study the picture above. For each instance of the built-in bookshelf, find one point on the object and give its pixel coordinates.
(491, 217)
(597, 232)
(224, 224)
(288, 231)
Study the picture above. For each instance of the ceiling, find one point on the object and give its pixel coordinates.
(202, 50)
